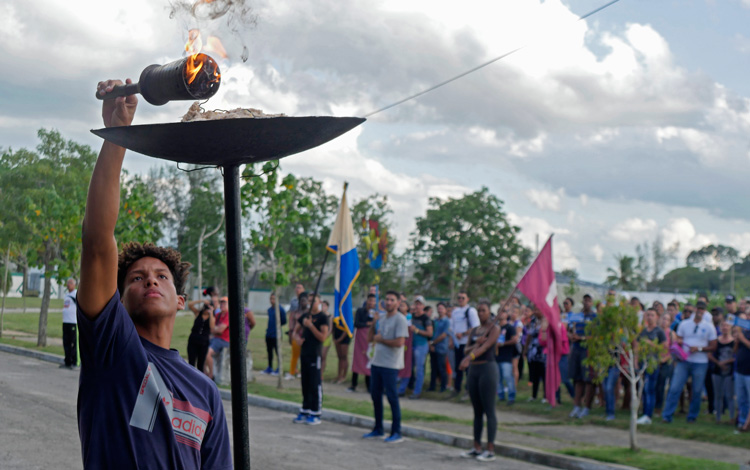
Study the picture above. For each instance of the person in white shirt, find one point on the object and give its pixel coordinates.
(70, 336)
(463, 319)
(697, 338)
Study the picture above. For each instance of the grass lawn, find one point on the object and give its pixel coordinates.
(32, 303)
(647, 460)
(26, 344)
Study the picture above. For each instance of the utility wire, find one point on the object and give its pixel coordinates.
(416, 95)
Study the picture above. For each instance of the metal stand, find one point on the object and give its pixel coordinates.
(237, 342)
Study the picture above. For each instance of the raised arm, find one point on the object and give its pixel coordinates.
(99, 254)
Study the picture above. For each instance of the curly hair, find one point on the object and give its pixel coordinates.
(133, 251)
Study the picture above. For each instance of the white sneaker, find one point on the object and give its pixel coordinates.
(584, 412)
(288, 376)
(486, 456)
(574, 413)
(544, 400)
(644, 420)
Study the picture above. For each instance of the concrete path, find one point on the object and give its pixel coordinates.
(535, 431)
(40, 432)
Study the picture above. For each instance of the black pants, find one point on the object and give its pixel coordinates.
(197, 352)
(312, 388)
(482, 384)
(271, 346)
(70, 344)
(438, 369)
(459, 373)
(710, 390)
(355, 381)
(536, 375)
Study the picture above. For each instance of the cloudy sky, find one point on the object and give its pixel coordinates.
(631, 125)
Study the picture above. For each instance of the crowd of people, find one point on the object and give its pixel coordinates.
(477, 354)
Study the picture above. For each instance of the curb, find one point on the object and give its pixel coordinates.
(49, 357)
(527, 454)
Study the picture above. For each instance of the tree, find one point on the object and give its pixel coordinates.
(713, 257)
(43, 201)
(467, 244)
(626, 276)
(272, 204)
(614, 335)
(139, 217)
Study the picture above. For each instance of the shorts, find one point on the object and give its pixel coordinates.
(337, 334)
(578, 372)
(217, 344)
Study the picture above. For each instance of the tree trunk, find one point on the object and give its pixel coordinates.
(200, 260)
(42, 336)
(23, 285)
(635, 401)
(5, 289)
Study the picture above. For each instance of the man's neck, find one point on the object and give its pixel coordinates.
(389, 313)
(158, 332)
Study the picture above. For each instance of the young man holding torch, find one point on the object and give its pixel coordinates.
(140, 405)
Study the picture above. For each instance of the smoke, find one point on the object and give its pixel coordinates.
(229, 20)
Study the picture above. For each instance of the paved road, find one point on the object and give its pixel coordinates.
(39, 431)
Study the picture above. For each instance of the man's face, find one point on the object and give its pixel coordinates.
(149, 292)
(373, 289)
(298, 289)
(370, 303)
(651, 317)
(699, 311)
(71, 285)
(224, 306)
(587, 303)
(272, 300)
(731, 306)
(304, 302)
(391, 303)
(687, 312)
(672, 310)
(502, 319)
(463, 299)
(417, 307)
(566, 305)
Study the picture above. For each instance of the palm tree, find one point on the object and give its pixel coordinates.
(626, 276)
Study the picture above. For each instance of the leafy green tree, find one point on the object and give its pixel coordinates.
(467, 244)
(139, 218)
(626, 276)
(612, 336)
(271, 203)
(713, 257)
(42, 201)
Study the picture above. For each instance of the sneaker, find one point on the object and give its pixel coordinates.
(531, 399)
(351, 390)
(373, 435)
(414, 396)
(312, 420)
(574, 413)
(298, 376)
(471, 454)
(300, 419)
(544, 400)
(644, 420)
(288, 376)
(394, 439)
(584, 412)
(267, 371)
(609, 418)
(486, 456)
(275, 372)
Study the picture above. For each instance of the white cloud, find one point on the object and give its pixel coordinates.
(563, 256)
(584, 199)
(633, 229)
(598, 252)
(531, 227)
(681, 232)
(545, 200)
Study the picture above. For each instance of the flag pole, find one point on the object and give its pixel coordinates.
(325, 258)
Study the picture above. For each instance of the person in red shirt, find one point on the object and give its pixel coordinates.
(221, 335)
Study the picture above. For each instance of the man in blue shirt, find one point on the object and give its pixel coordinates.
(140, 405)
(439, 348)
(272, 340)
(578, 372)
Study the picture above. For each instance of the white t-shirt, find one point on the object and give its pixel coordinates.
(462, 320)
(69, 307)
(696, 335)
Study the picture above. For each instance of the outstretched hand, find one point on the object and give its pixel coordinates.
(118, 111)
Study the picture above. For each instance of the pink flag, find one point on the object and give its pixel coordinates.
(538, 284)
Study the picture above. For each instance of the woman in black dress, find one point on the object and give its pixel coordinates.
(200, 333)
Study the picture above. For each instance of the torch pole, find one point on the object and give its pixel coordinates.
(237, 342)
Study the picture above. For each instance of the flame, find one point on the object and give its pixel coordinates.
(196, 61)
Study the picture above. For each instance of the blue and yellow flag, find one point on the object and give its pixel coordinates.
(341, 242)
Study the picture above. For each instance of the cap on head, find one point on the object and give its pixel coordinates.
(700, 304)
(419, 299)
(730, 298)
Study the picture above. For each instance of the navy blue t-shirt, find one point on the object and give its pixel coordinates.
(142, 406)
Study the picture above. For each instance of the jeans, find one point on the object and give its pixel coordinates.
(681, 372)
(610, 384)
(649, 392)
(665, 375)
(506, 379)
(384, 379)
(742, 390)
(438, 368)
(564, 377)
(723, 392)
(420, 358)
